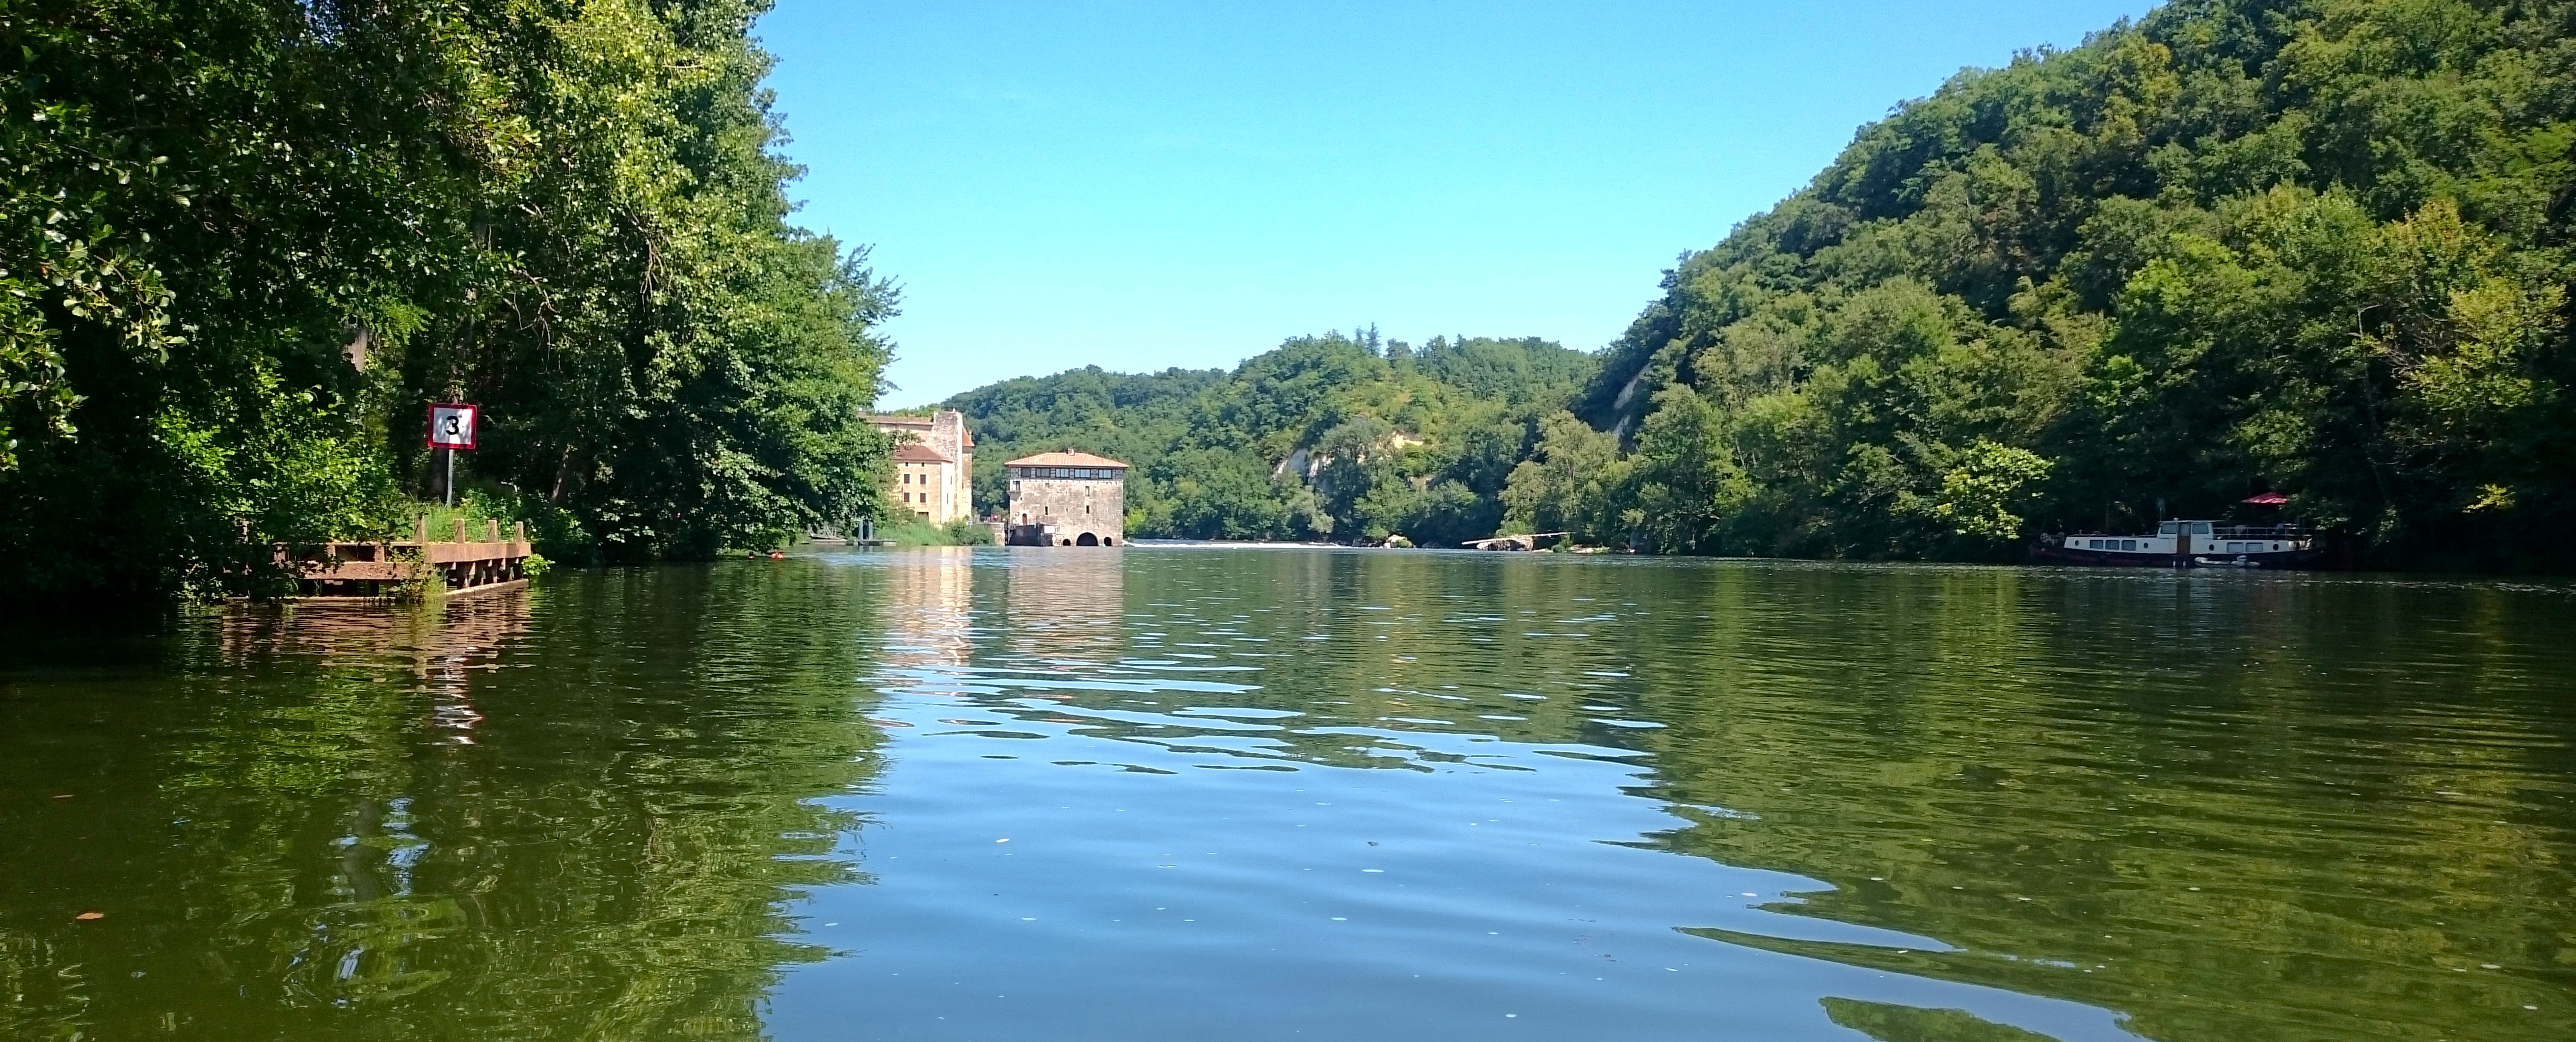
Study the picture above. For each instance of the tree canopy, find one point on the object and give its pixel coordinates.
(2313, 246)
(243, 242)
(1343, 437)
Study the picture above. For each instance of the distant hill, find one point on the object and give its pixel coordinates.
(2235, 246)
(1347, 438)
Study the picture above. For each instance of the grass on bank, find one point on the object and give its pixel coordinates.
(960, 532)
(477, 508)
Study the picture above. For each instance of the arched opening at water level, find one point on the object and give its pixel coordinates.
(1087, 539)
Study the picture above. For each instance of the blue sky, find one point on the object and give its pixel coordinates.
(1139, 185)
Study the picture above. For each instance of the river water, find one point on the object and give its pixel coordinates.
(1197, 793)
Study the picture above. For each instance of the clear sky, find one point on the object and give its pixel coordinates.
(1139, 185)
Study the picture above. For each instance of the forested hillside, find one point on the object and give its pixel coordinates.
(2239, 246)
(242, 243)
(1333, 437)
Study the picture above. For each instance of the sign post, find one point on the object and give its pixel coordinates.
(451, 427)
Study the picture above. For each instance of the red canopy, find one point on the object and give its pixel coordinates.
(2268, 499)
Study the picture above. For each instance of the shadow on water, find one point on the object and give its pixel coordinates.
(581, 812)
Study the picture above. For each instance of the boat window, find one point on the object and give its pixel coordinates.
(2128, 544)
(2094, 544)
(2200, 528)
(2169, 528)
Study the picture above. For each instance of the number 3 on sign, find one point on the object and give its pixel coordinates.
(451, 425)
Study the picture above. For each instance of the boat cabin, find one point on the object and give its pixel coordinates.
(2184, 543)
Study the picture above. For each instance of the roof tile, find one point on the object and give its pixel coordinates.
(1065, 459)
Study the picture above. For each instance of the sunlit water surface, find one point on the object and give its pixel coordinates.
(1253, 794)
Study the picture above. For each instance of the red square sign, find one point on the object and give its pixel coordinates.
(451, 425)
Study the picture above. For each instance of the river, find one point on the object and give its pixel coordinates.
(1197, 793)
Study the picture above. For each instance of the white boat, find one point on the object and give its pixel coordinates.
(2186, 544)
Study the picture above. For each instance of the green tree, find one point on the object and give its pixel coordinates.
(2237, 245)
(1333, 437)
(242, 242)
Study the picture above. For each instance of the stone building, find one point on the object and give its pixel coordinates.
(1066, 499)
(925, 483)
(934, 465)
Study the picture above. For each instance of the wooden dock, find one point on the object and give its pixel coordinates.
(459, 566)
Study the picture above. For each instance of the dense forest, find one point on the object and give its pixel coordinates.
(2312, 246)
(1343, 437)
(2318, 247)
(243, 242)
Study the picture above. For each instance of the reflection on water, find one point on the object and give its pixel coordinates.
(557, 815)
(929, 610)
(1270, 793)
(2209, 807)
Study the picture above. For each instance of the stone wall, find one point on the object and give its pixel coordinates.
(1073, 508)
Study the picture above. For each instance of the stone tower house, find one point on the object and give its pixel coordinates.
(1066, 499)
